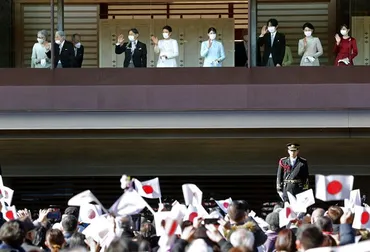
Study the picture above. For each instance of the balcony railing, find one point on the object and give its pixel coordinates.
(181, 89)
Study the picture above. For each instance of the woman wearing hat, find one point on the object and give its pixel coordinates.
(292, 174)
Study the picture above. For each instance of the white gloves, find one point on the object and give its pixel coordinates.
(345, 61)
(310, 59)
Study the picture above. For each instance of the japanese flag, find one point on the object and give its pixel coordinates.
(362, 218)
(89, 212)
(191, 213)
(286, 215)
(148, 189)
(224, 204)
(354, 199)
(6, 195)
(302, 201)
(173, 221)
(9, 212)
(98, 229)
(129, 203)
(160, 220)
(194, 212)
(357, 247)
(171, 225)
(333, 187)
(192, 194)
(84, 197)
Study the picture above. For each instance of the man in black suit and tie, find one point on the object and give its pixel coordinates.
(135, 51)
(64, 54)
(78, 49)
(274, 44)
(292, 174)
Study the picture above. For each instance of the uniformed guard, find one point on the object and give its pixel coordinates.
(292, 174)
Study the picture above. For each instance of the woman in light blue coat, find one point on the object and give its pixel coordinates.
(212, 50)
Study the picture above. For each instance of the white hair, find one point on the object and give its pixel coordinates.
(242, 238)
(199, 245)
(44, 33)
(61, 34)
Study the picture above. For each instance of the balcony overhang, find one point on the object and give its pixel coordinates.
(196, 120)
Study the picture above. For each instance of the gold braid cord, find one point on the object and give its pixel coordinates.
(250, 226)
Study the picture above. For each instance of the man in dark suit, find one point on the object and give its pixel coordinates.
(78, 49)
(241, 51)
(64, 54)
(135, 51)
(292, 174)
(274, 44)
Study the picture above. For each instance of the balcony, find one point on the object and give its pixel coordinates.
(185, 89)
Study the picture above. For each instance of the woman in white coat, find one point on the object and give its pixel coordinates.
(167, 48)
(39, 58)
(212, 50)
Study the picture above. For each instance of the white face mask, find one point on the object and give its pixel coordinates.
(78, 45)
(212, 36)
(344, 32)
(58, 42)
(308, 33)
(41, 41)
(271, 29)
(131, 38)
(166, 35)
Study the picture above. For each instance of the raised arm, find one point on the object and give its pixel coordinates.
(204, 49)
(121, 48)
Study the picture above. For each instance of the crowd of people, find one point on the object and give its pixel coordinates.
(231, 226)
(275, 51)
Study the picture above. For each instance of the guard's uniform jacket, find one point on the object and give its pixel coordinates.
(293, 179)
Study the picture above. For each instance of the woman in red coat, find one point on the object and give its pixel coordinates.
(345, 48)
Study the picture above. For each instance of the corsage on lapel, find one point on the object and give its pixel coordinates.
(285, 166)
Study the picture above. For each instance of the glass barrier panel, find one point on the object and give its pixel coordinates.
(129, 34)
(359, 31)
(293, 33)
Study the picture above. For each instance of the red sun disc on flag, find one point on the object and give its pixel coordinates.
(172, 229)
(9, 215)
(288, 211)
(91, 214)
(365, 216)
(148, 189)
(192, 216)
(226, 205)
(334, 187)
